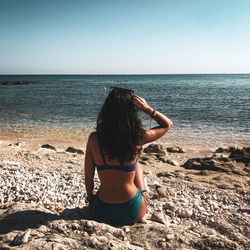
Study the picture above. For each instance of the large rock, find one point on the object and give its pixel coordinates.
(241, 155)
(175, 150)
(221, 164)
(74, 150)
(155, 149)
(48, 146)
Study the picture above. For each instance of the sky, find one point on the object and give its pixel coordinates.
(124, 36)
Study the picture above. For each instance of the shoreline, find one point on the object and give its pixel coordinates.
(78, 136)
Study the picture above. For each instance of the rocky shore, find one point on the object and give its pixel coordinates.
(198, 200)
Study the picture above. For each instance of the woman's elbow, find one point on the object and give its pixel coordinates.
(169, 125)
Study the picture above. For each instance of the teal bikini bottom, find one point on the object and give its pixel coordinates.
(121, 213)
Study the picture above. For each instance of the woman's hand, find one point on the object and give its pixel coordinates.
(140, 103)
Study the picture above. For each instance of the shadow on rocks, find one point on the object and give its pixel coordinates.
(31, 218)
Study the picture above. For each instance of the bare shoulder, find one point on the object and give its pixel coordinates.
(92, 138)
(93, 135)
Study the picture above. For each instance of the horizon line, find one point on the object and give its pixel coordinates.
(9, 74)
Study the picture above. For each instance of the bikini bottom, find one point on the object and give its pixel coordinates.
(119, 213)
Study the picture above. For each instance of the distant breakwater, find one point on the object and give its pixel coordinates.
(14, 83)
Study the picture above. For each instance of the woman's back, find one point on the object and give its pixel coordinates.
(117, 183)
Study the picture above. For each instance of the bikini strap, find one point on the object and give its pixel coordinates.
(121, 163)
(143, 191)
(100, 148)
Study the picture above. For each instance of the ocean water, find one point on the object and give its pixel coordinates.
(207, 105)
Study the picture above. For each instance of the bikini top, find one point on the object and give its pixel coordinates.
(121, 167)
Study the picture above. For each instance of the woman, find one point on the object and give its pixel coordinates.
(113, 150)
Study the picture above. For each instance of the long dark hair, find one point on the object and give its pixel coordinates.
(119, 130)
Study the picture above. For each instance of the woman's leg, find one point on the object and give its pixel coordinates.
(139, 182)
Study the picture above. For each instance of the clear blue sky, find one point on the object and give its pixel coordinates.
(124, 36)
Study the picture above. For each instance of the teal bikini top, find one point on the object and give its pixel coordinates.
(121, 167)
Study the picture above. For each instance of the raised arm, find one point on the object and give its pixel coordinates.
(164, 123)
(89, 172)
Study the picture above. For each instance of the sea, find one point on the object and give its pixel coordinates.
(209, 109)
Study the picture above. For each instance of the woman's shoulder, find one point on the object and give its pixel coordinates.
(92, 137)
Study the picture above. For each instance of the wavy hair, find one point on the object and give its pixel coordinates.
(119, 130)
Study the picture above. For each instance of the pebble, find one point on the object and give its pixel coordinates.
(170, 236)
(170, 206)
(172, 162)
(22, 184)
(156, 183)
(175, 149)
(11, 163)
(126, 229)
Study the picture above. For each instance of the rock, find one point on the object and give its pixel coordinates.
(175, 150)
(205, 172)
(21, 238)
(239, 172)
(238, 185)
(155, 149)
(162, 193)
(11, 163)
(172, 162)
(160, 217)
(240, 155)
(210, 163)
(180, 175)
(217, 178)
(224, 186)
(144, 158)
(222, 150)
(43, 229)
(171, 191)
(14, 83)
(126, 229)
(244, 210)
(48, 146)
(165, 174)
(143, 162)
(162, 159)
(184, 213)
(145, 172)
(170, 206)
(156, 183)
(246, 170)
(74, 150)
(170, 237)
